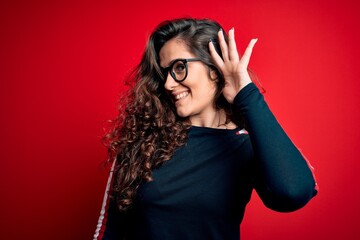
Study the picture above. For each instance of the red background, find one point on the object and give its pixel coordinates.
(62, 65)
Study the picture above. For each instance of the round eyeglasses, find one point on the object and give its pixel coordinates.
(178, 69)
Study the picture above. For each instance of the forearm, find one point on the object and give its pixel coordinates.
(284, 180)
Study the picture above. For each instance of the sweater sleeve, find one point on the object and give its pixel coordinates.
(283, 178)
(111, 223)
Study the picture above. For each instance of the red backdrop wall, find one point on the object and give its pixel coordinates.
(62, 65)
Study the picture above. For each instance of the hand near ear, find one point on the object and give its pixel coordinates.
(232, 66)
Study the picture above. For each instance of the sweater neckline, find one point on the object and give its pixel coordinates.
(197, 129)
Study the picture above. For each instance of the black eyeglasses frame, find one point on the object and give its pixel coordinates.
(165, 71)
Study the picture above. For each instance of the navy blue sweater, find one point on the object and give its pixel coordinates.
(201, 193)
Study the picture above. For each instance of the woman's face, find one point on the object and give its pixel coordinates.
(194, 97)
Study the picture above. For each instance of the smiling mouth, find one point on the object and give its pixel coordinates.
(181, 96)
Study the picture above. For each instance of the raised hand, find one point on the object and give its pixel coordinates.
(232, 66)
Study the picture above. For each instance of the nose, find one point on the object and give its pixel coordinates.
(170, 83)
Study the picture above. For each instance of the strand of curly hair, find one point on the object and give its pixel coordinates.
(144, 135)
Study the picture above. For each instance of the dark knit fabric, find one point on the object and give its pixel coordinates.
(201, 193)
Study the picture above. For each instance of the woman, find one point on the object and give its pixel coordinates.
(184, 165)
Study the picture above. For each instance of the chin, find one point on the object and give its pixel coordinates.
(182, 114)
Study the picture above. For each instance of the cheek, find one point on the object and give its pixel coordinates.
(202, 86)
(207, 89)
(203, 95)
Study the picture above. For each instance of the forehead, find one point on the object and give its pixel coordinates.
(173, 49)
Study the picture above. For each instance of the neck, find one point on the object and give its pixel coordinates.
(213, 119)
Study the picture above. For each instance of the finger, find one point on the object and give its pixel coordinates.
(223, 46)
(247, 54)
(217, 59)
(233, 53)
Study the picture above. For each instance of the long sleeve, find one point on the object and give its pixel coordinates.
(112, 223)
(283, 179)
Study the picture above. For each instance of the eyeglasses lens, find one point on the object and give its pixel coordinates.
(178, 70)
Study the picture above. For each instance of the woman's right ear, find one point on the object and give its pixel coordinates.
(213, 74)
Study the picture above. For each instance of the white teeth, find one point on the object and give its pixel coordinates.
(181, 95)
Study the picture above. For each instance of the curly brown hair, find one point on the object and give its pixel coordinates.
(147, 130)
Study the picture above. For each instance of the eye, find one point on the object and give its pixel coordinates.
(179, 67)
